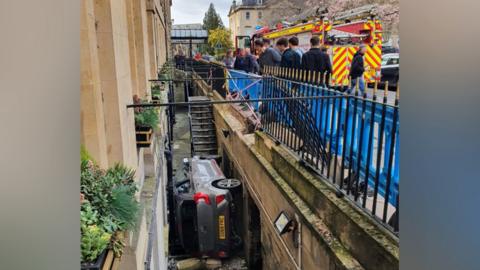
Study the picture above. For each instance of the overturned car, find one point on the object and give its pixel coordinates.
(204, 208)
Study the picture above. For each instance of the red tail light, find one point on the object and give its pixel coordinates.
(219, 199)
(222, 254)
(201, 196)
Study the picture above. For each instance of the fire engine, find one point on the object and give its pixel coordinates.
(342, 36)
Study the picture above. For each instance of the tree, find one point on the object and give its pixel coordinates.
(212, 20)
(219, 40)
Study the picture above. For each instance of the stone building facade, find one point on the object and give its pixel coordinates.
(245, 16)
(123, 45)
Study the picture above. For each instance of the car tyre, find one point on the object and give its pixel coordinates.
(229, 184)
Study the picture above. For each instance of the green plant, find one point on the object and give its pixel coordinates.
(109, 224)
(93, 243)
(156, 93)
(147, 117)
(92, 184)
(123, 175)
(156, 90)
(124, 207)
(84, 155)
(109, 206)
(88, 216)
(117, 244)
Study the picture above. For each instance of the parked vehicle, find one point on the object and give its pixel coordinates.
(203, 205)
(342, 35)
(390, 69)
(388, 49)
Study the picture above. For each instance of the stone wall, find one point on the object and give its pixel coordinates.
(123, 45)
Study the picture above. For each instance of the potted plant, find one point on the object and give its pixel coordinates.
(155, 93)
(164, 73)
(146, 119)
(108, 208)
(94, 240)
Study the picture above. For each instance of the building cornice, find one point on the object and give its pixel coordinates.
(237, 8)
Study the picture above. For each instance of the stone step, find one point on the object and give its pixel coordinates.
(204, 148)
(202, 124)
(203, 129)
(202, 118)
(201, 111)
(201, 136)
(204, 142)
(207, 151)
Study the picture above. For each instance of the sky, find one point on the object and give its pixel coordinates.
(193, 11)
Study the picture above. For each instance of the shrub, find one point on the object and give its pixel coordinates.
(124, 207)
(94, 241)
(123, 175)
(84, 155)
(109, 206)
(156, 90)
(148, 117)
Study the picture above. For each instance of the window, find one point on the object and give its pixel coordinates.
(393, 61)
(390, 61)
(259, 14)
(247, 15)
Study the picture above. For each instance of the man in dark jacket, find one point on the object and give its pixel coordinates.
(253, 59)
(268, 56)
(328, 66)
(357, 69)
(316, 60)
(243, 62)
(290, 58)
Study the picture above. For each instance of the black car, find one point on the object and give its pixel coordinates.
(390, 70)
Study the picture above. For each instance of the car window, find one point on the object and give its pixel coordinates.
(393, 61)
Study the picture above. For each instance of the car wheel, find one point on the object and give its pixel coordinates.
(227, 183)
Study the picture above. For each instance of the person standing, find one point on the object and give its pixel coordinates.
(315, 60)
(243, 62)
(357, 69)
(293, 44)
(290, 59)
(328, 65)
(268, 56)
(229, 60)
(253, 59)
(180, 59)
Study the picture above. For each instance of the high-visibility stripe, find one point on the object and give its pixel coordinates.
(373, 58)
(340, 59)
(342, 71)
(339, 64)
(339, 54)
(370, 63)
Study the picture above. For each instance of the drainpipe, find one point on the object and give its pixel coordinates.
(299, 240)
